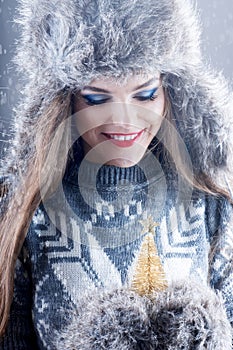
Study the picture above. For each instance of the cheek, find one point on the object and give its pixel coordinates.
(90, 136)
(91, 118)
(159, 110)
(85, 123)
(154, 114)
(158, 106)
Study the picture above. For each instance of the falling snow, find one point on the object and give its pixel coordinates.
(217, 39)
(8, 92)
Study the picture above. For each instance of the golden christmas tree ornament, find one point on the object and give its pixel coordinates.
(149, 276)
(148, 225)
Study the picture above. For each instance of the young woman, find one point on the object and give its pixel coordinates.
(119, 174)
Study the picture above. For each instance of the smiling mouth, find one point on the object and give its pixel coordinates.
(123, 139)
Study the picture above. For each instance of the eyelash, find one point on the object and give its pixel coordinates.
(92, 101)
(150, 97)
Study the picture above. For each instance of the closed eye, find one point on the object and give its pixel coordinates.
(147, 95)
(95, 99)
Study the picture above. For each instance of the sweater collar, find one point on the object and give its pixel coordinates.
(90, 174)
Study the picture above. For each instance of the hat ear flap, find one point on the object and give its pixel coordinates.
(199, 106)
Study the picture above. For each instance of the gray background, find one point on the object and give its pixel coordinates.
(217, 43)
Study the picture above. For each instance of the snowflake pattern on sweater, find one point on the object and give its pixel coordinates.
(80, 245)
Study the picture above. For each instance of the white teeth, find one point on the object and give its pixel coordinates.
(123, 138)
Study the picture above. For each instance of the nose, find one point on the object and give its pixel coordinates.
(124, 113)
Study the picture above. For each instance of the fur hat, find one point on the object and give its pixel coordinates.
(185, 316)
(65, 44)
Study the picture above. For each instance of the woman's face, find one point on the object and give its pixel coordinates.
(118, 122)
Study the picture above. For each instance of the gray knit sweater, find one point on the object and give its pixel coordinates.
(88, 236)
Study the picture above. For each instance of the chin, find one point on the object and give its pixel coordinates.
(122, 163)
(123, 158)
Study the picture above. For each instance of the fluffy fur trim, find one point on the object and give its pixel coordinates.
(183, 317)
(71, 42)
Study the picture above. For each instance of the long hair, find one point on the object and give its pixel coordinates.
(24, 193)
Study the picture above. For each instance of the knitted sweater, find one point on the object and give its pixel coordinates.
(88, 235)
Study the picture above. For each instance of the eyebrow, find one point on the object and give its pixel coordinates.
(96, 89)
(149, 82)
